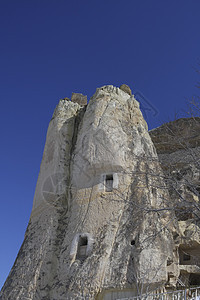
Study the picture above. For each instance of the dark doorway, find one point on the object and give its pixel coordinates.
(82, 248)
(109, 183)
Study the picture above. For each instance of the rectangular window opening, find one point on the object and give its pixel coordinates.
(82, 248)
(109, 183)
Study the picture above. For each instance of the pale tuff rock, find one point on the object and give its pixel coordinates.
(99, 226)
(37, 260)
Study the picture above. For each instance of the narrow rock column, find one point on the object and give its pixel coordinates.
(35, 267)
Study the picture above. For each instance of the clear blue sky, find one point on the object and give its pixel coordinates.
(51, 48)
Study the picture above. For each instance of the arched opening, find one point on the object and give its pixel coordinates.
(132, 242)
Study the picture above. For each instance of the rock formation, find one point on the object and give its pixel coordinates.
(103, 222)
(126, 89)
(178, 147)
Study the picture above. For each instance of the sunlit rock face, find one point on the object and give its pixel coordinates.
(99, 222)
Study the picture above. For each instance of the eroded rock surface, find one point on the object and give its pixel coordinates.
(102, 222)
(126, 89)
(178, 147)
(79, 98)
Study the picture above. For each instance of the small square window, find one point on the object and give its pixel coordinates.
(109, 183)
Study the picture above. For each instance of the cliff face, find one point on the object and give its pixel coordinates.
(100, 223)
(178, 147)
(174, 136)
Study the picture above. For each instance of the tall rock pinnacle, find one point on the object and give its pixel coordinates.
(95, 227)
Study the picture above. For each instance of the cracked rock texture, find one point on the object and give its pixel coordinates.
(99, 223)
